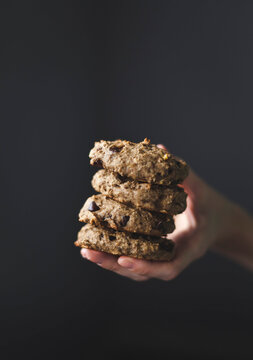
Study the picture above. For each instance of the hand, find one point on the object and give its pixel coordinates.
(207, 221)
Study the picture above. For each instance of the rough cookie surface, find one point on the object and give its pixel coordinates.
(139, 161)
(100, 210)
(122, 243)
(147, 196)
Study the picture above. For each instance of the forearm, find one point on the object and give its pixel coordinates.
(235, 235)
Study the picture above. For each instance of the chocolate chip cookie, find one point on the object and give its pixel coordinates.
(122, 243)
(100, 210)
(170, 200)
(139, 161)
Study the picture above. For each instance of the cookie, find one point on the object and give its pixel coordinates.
(139, 161)
(170, 200)
(100, 210)
(122, 243)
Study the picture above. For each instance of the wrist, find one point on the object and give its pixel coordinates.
(234, 236)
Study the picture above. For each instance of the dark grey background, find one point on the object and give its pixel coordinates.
(178, 72)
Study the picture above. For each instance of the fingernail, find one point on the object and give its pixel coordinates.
(99, 263)
(127, 264)
(83, 253)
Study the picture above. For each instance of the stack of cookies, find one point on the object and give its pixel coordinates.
(139, 195)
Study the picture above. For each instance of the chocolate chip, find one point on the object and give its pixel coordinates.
(124, 220)
(115, 149)
(163, 227)
(98, 163)
(111, 237)
(93, 206)
(122, 178)
(160, 225)
(166, 245)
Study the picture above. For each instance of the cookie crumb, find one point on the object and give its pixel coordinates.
(146, 141)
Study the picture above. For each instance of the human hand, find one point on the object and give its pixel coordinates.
(206, 220)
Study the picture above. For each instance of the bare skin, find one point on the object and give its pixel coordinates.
(210, 222)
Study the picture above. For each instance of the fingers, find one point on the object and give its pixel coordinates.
(141, 270)
(161, 146)
(187, 251)
(109, 262)
(194, 186)
(150, 269)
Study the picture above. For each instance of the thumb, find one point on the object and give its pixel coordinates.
(193, 185)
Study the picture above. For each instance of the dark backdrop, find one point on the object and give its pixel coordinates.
(178, 72)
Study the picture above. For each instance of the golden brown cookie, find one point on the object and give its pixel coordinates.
(139, 161)
(100, 210)
(170, 200)
(122, 243)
